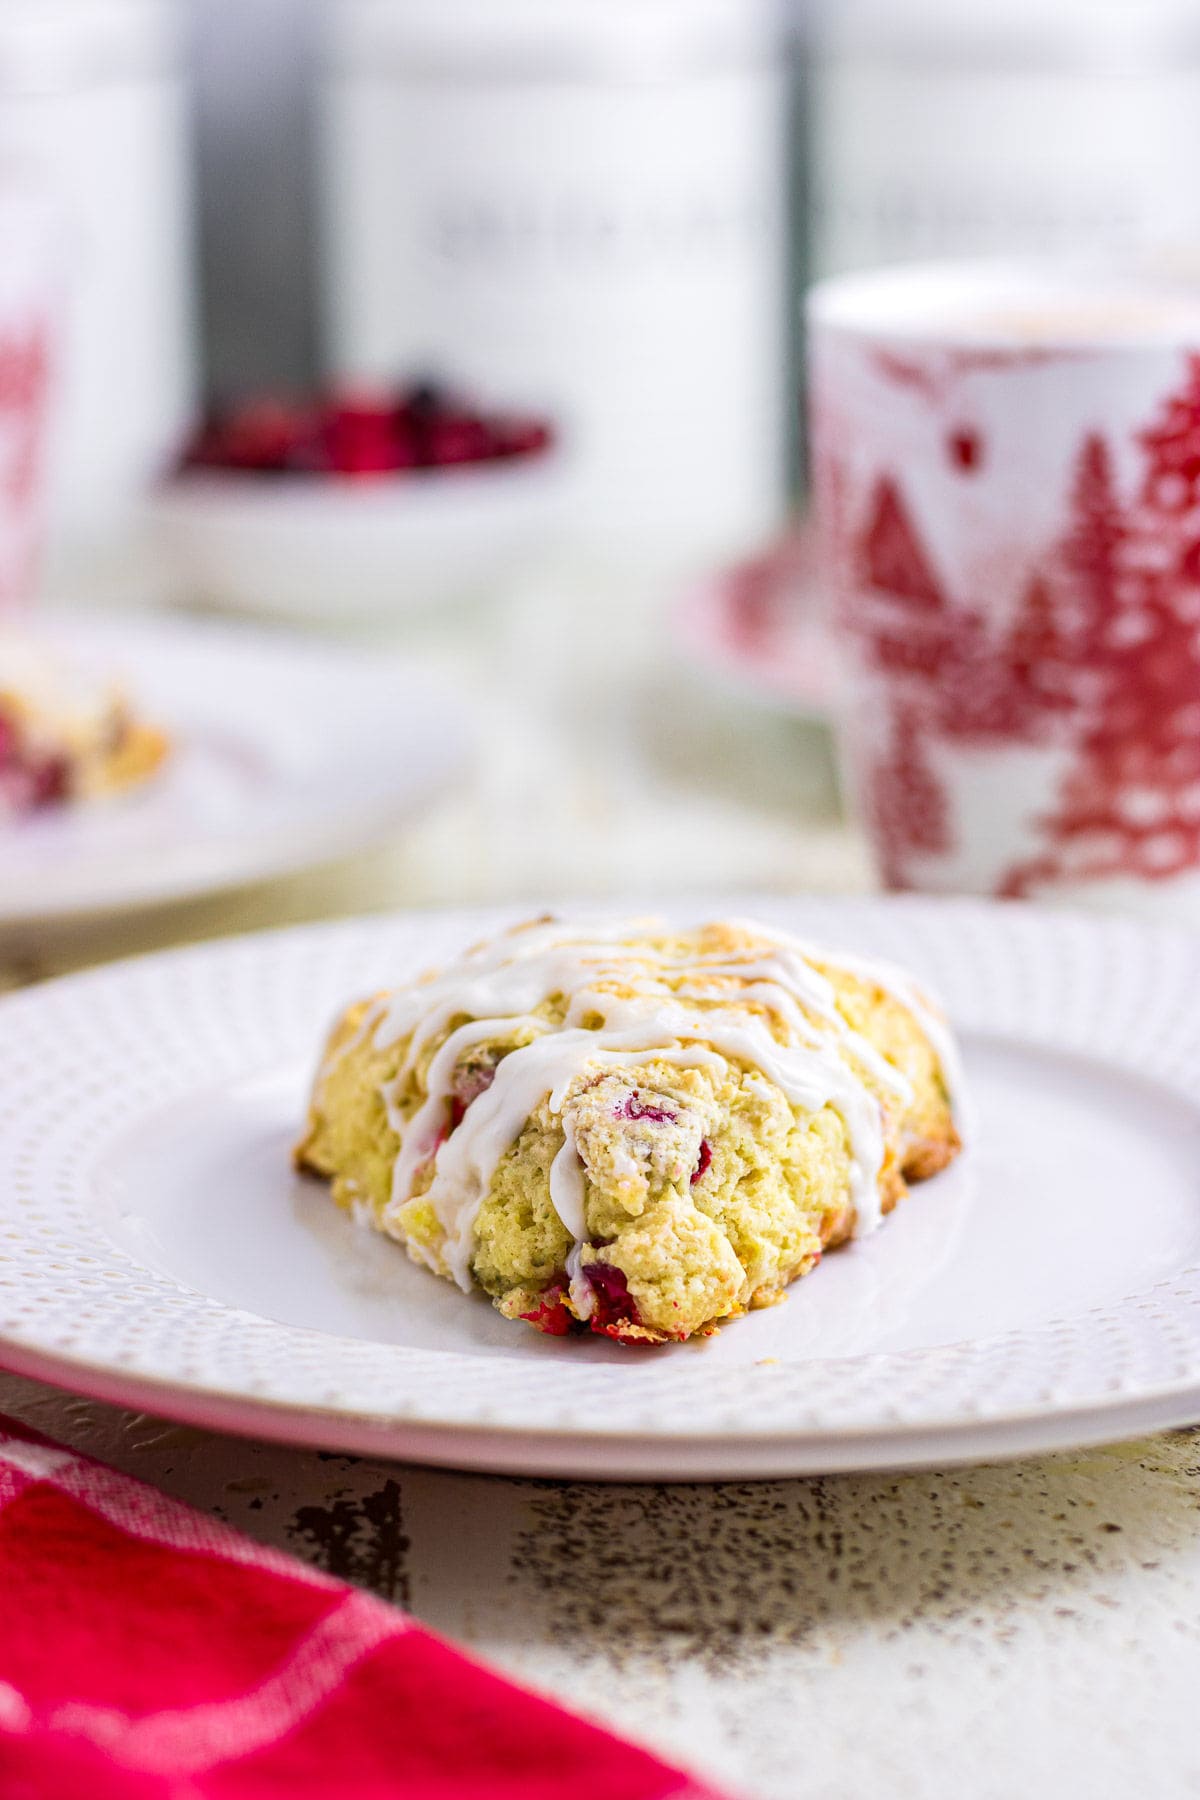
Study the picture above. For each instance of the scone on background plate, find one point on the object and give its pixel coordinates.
(633, 1129)
(65, 733)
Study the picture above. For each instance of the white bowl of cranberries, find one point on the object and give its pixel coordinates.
(355, 507)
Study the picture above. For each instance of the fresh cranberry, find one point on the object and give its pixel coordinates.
(407, 445)
(465, 1088)
(309, 455)
(550, 1315)
(361, 439)
(520, 437)
(425, 426)
(413, 414)
(457, 438)
(634, 1107)
(614, 1304)
(261, 436)
(49, 781)
(472, 1080)
(701, 1168)
(443, 1133)
(422, 401)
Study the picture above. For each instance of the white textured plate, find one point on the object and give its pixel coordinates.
(156, 1249)
(287, 751)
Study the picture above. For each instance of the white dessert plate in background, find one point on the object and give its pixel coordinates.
(286, 752)
(156, 1248)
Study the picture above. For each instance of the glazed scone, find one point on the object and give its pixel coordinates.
(634, 1129)
(65, 733)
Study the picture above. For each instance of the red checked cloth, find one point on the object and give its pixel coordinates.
(149, 1653)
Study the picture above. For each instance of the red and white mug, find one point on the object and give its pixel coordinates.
(1007, 469)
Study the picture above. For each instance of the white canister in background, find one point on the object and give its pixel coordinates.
(92, 106)
(1002, 127)
(579, 209)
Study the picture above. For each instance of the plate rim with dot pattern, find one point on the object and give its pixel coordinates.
(156, 1250)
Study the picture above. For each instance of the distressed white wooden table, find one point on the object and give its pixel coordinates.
(1031, 1628)
(1028, 1629)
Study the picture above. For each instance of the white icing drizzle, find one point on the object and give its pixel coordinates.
(900, 985)
(583, 1298)
(668, 1013)
(566, 1188)
(361, 1211)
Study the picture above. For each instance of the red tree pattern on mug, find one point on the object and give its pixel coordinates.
(1102, 661)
